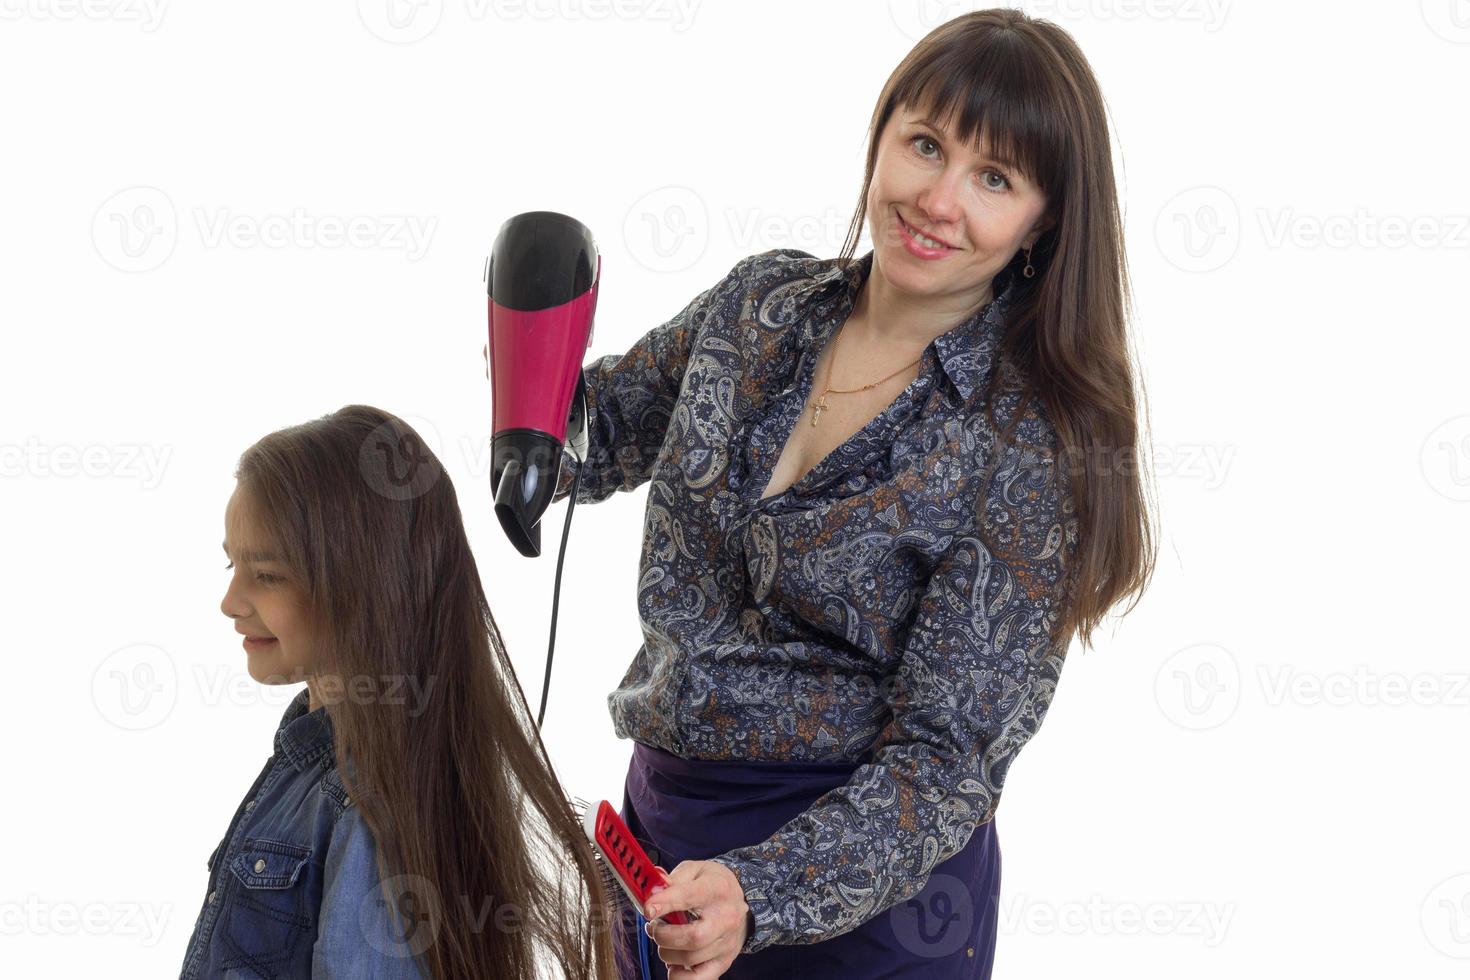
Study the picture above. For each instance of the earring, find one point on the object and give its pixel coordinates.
(1028, 272)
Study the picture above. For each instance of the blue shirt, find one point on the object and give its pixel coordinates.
(855, 616)
(294, 889)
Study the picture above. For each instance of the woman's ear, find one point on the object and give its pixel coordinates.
(1043, 225)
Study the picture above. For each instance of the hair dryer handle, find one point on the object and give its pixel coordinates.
(576, 440)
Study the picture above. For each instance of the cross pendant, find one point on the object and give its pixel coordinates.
(819, 407)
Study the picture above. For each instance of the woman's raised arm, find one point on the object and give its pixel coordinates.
(631, 396)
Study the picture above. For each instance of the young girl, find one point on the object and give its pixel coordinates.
(409, 822)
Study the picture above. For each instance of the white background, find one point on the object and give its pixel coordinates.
(1258, 772)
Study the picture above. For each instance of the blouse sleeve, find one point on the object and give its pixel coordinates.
(360, 935)
(977, 671)
(631, 396)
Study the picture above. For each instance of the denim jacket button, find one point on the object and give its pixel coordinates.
(260, 866)
(211, 898)
(249, 806)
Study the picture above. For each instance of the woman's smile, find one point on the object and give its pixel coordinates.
(918, 243)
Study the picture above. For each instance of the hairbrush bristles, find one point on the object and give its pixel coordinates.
(625, 918)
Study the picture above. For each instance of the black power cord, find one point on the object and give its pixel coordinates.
(556, 589)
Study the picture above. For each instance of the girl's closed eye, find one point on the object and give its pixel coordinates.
(263, 577)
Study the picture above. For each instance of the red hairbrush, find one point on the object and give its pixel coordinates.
(623, 859)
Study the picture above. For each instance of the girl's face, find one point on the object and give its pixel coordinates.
(265, 600)
(981, 209)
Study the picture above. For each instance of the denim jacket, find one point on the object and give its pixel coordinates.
(293, 886)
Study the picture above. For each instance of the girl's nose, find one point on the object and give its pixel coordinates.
(231, 605)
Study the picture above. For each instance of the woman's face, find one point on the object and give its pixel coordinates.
(264, 599)
(981, 209)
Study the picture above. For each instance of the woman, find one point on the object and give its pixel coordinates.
(409, 823)
(868, 540)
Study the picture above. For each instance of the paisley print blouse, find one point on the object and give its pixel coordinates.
(856, 616)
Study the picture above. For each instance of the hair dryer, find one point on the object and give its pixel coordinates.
(542, 278)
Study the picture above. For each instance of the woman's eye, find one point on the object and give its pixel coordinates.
(922, 139)
(1004, 181)
(1004, 184)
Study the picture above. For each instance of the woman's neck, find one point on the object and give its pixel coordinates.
(883, 319)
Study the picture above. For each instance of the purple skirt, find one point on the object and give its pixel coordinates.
(695, 809)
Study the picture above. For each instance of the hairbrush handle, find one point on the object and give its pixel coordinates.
(628, 861)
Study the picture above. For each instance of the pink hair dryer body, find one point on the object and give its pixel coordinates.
(542, 279)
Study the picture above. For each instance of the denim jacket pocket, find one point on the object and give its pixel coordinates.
(269, 863)
(271, 917)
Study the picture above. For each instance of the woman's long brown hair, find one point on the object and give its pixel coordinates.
(479, 849)
(1026, 86)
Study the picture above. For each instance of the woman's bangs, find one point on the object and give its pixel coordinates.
(996, 101)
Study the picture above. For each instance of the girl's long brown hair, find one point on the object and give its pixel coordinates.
(1026, 86)
(477, 843)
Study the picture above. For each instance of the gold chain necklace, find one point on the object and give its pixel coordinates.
(821, 403)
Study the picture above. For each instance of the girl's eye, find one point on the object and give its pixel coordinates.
(262, 577)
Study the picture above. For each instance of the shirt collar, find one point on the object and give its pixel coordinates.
(303, 736)
(966, 351)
